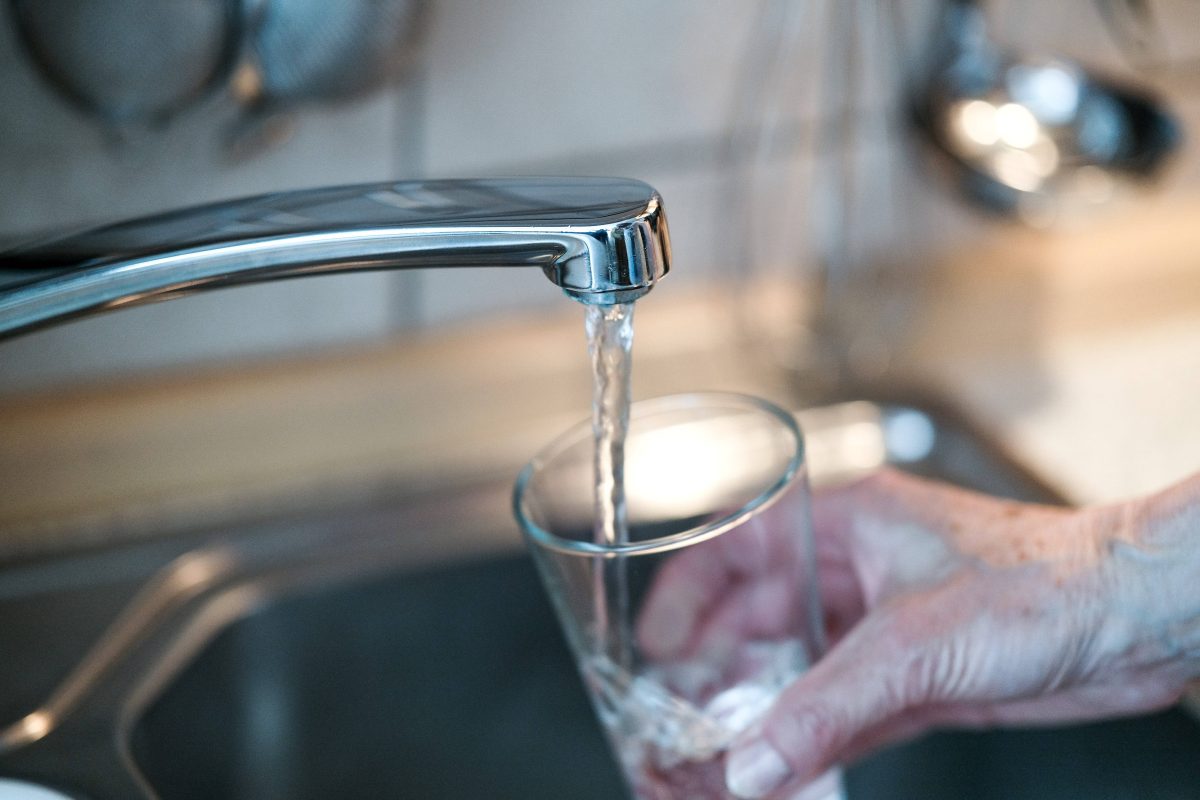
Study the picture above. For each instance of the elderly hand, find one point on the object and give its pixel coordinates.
(948, 608)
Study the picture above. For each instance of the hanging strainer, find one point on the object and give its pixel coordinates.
(131, 62)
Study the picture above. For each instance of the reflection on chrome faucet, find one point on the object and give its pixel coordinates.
(602, 240)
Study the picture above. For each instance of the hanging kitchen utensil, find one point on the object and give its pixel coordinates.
(1028, 135)
(131, 63)
(140, 63)
(302, 52)
(828, 227)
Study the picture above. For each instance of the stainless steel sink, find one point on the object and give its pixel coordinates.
(408, 652)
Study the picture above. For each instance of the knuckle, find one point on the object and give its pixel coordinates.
(809, 729)
(823, 725)
(923, 667)
(930, 674)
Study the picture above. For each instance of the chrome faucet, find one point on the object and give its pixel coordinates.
(601, 240)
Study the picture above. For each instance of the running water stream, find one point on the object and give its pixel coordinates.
(670, 747)
(610, 344)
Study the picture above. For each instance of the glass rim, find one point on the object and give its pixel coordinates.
(692, 535)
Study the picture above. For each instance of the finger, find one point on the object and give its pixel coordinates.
(842, 600)
(687, 586)
(834, 509)
(755, 608)
(777, 604)
(695, 583)
(764, 608)
(888, 495)
(857, 687)
(771, 607)
(838, 514)
(827, 786)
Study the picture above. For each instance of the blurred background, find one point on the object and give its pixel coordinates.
(662, 92)
(798, 145)
(960, 234)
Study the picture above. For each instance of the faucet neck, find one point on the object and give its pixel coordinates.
(601, 240)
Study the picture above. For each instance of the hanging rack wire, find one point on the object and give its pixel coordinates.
(818, 173)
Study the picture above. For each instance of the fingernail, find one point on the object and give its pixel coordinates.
(827, 787)
(755, 770)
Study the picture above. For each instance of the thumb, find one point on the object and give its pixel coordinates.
(858, 687)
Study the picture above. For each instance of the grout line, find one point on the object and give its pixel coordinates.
(408, 157)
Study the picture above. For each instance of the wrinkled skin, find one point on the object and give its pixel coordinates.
(948, 608)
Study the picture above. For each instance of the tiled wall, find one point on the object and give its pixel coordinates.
(60, 170)
(648, 90)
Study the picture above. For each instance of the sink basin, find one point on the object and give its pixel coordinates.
(425, 686)
(359, 663)
(448, 683)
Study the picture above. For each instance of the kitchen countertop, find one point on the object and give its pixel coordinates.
(1079, 349)
(414, 415)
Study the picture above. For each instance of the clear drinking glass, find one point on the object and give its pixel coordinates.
(687, 631)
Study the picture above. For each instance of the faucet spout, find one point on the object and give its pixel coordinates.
(601, 240)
